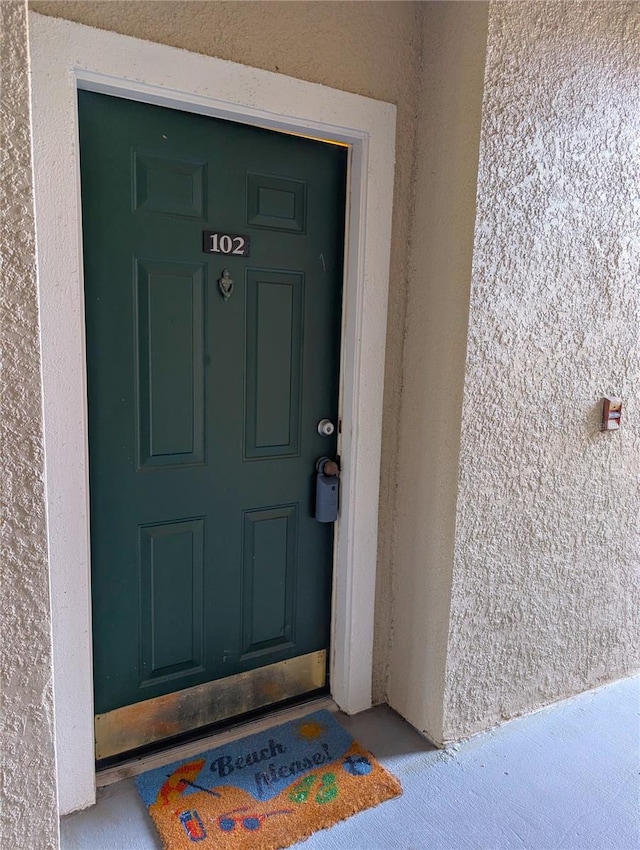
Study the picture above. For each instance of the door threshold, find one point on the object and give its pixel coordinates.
(135, 766)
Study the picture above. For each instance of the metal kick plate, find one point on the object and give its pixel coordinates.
(146, 722)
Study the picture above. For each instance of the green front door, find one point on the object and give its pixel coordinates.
(211, 578)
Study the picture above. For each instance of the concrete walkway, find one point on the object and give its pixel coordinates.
(566, 778)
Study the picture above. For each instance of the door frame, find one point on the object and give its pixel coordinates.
(66, 56)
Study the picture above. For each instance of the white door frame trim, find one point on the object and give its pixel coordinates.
(65, 56)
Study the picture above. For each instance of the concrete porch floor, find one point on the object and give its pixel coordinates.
(565, 778)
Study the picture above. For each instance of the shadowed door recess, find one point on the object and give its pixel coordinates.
(211, 580)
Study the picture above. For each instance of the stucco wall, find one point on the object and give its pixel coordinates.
(371, 49)
(28, 814)
(434, 358)
(546, 577)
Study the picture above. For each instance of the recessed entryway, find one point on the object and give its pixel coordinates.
(67, 57)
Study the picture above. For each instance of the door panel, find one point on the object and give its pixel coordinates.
(275, 303)
(171, 594)
(169, 186)
(170, 359)
(269, 571)
(276, 203)
(207, 563)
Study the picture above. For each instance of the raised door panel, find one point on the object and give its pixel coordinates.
(273, 357)
(268, 580)
(171, 570)
(276, 203)
(169, 186)
(170, 359)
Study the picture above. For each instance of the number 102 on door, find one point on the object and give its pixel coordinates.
(234, 244)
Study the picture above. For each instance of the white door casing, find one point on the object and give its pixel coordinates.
(66, 56)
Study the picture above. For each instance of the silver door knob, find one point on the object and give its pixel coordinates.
(326, 427)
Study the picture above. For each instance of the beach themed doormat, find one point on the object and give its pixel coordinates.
(266, 791)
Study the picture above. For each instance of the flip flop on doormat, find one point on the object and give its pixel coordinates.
(266, 791)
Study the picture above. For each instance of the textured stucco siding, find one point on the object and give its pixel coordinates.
(454, 47)
(546, 575)
(372, 49)
(28, 808)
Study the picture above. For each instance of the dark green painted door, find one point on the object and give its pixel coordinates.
(203, 413)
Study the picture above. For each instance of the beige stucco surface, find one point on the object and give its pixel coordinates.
(371, 49)
(28, 810)
(434, 357)
(546, 574)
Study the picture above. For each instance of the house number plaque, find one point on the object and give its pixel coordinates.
(234, 244)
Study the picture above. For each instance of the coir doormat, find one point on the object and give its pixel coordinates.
(266, 791)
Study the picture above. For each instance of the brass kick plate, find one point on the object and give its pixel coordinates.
(146, 722)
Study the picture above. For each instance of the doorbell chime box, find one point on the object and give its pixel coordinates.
(611, 413)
